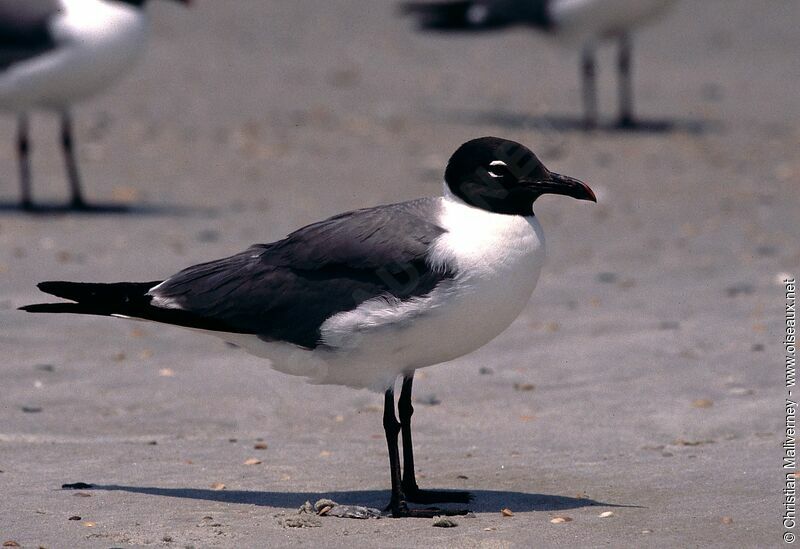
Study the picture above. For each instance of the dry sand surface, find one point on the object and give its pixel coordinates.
(644, 378)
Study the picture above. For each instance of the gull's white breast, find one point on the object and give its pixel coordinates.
(98, 41)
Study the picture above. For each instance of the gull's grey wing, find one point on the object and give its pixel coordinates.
(24, 29)
(285, 290)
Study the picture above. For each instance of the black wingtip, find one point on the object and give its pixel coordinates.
(58, 288)
(49, 308)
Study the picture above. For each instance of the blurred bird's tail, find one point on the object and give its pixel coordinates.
(443, 15)
(477, 15)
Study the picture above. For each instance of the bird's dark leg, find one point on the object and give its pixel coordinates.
(392, 428)
(67, 144)
(589, 81)
(397, 504)
(23, 154)
(406, 410)
(409, 484)
(624, 66)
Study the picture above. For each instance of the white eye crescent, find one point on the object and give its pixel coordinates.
(496, 163)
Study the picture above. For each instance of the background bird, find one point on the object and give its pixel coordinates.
(583, 23)
(55, 53)
(369, 296)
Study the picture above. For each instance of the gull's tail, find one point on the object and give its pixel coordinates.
(120, 298)
(124, 299)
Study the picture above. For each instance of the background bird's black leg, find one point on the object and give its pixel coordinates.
(624, 66)
(23, 154)
(409, 484)
(589, 81)
(67, 144)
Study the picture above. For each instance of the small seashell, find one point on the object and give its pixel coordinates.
(560, 520)
(444, 522)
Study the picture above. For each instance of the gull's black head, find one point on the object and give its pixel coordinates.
(504, 177)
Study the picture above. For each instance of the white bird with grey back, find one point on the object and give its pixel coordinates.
(581, 23)
(56, 53)
(369, 296)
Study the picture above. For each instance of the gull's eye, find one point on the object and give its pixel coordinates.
(498, 169)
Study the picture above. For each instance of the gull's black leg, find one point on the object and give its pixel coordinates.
(589, 81)
(392, 428)
(409, 484)
(397, 504)
(624, 62)
(406, 410)
(23, 154)
(67, 144)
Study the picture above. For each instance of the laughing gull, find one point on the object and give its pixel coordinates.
(575, 22)
(54, 53)
(369, 296)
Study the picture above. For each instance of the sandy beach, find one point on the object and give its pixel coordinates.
(645, 377)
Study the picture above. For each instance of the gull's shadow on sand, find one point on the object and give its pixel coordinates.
(484, 500)
(567, 123)
(45, 209)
